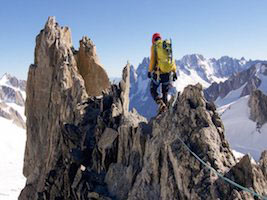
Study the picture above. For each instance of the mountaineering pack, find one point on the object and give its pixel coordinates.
(163, 53)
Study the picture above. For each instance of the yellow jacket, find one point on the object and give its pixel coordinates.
(153, 61)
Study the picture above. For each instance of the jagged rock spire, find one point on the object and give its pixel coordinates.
(95, 77)
(54, 90)
(125, 87)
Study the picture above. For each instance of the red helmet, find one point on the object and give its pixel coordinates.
(155, 35)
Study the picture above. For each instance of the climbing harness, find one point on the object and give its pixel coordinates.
(220, 175)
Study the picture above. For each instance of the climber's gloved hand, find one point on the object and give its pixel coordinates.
(149, 74)
(174, 78)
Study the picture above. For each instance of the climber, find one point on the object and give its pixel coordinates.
(161, 71)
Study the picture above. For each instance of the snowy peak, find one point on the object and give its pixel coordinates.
(143, 68)
(227, 66)
(193, 60)
(5, 78)
(12, 99)
(212, 70)
(238, 85)
(12, 81)
(197, 63)
(140, 97)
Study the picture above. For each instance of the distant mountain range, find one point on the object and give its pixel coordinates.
(229, 83)
(191, 69)
(239, 85)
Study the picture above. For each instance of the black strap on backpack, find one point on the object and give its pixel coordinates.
(171, 48)
(155, 57)
(155, 68)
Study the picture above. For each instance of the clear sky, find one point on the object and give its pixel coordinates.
(122, 29)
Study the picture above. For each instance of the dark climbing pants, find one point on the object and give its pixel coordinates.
(164, 81)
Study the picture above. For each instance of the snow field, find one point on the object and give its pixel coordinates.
(12, 147)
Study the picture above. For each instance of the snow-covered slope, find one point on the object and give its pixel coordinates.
(242, 133)
(12, 145)
(12, 136)
(230, 97)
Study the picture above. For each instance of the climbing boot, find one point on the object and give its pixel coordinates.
(162, 106)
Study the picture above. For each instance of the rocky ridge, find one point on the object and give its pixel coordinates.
(81, 146)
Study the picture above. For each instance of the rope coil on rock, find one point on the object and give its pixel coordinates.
(220, 175)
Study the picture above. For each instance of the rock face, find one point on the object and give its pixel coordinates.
(258, 107)
(91, 147)
(169, 171)
(94, 75)
(248, 175)
(54, 90)
(263, 163)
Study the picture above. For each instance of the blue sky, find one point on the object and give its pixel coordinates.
(122, 29)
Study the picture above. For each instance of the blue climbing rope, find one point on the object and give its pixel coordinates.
(220, 175)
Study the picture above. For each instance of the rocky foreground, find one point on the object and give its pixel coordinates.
(83, 143)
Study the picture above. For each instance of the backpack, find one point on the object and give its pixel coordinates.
(163, 55)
